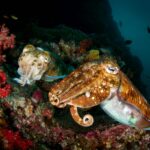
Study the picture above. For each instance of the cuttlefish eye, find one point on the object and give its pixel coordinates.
(46, 59)
(111, 69)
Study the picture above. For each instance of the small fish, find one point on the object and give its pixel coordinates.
(148, 29)
(10, 17)
(107, 51)
(6, 17)
(52, 78)
(128, 42)
(14, 17)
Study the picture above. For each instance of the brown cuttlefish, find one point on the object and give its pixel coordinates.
(101, 83)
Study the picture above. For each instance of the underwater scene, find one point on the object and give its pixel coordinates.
(75, 75)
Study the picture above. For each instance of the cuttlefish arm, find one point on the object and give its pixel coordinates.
(87, 100)
(25, 78)
(86, 121)
(129, 94)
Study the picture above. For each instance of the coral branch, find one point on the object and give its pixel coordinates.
(6, 41)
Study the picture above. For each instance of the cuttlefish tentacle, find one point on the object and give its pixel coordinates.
(86, 121)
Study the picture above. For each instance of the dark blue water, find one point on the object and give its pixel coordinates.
(133, 18)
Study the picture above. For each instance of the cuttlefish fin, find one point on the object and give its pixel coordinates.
(129, 93)
(143, 123)
(52, 78)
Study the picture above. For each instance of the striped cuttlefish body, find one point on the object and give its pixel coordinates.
(101, 83)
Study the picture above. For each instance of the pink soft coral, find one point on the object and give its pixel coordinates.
(6, 41)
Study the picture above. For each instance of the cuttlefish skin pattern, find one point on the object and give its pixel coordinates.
(101, 83)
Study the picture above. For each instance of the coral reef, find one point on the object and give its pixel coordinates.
(39, 126)
(6, 41)
(29, 121)
(11, 140)
(5, 88)
(72, 52)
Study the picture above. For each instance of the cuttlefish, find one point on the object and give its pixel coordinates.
(33, 63)
(101, 83)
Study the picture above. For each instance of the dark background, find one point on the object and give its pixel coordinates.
(83, 14)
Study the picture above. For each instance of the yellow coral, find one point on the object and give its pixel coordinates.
(93, 55)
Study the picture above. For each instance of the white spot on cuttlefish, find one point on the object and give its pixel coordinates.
(87, 94)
